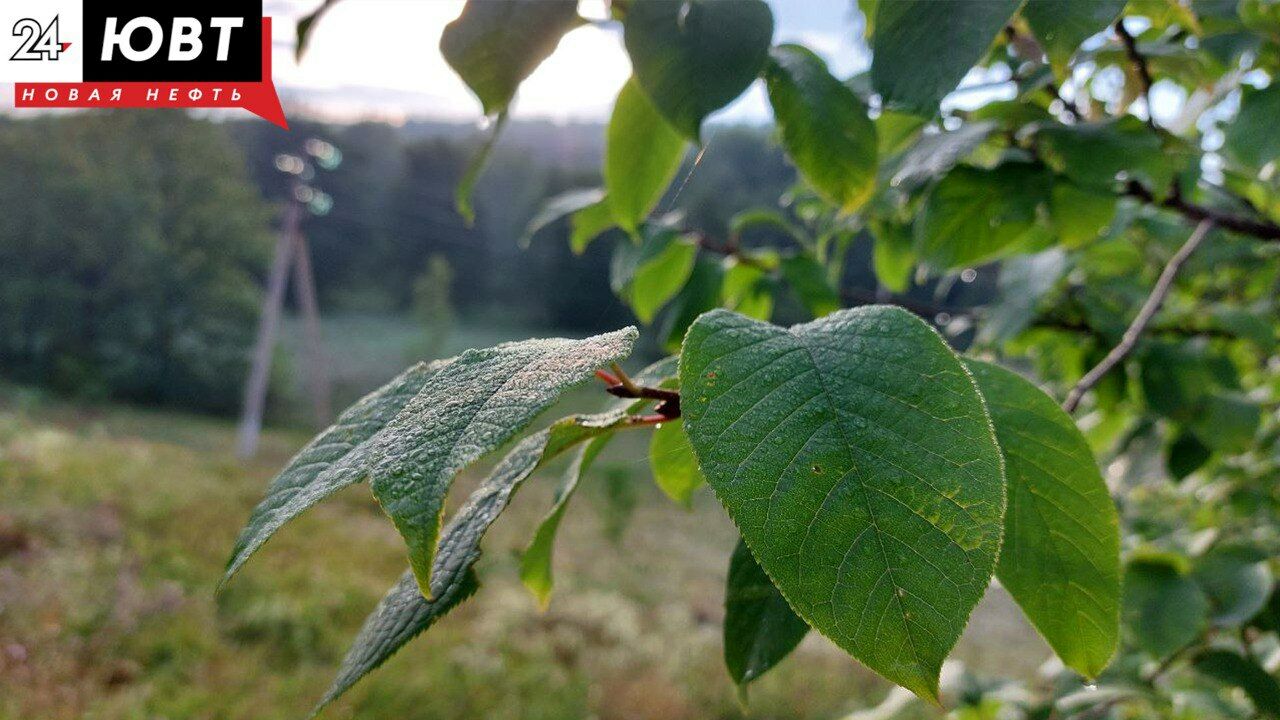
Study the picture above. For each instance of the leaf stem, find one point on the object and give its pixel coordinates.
(621, 385)
(1139, 325)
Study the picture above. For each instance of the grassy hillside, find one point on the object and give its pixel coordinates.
(115, 524)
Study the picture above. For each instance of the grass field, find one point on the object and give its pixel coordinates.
(115, 524)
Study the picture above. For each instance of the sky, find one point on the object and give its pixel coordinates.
(380, 59)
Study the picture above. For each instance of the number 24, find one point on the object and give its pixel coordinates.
(38, 43)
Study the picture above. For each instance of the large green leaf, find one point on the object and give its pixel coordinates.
(1061, 554)
(642, 155)
(856, 457)
(1163, 609)
(406, 611)
(495, 44)
(974, 215)
(693, 57)
(825, 127)
(923, 48)
(468, 408)
(760, 628)
(1238, 671)
(1061, 25)
(1252, 140)
(675, 469)
(334, 459)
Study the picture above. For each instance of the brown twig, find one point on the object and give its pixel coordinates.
(619, 384)
(729, 249)
(1261, 229)
(1139, 325)
(1140, 65)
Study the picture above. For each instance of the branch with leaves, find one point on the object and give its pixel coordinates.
(872, 470)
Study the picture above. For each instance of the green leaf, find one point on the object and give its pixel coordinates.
(535, 562)
(856, 457)
(768, 220)
(1061, 25)
(335, 459)
(495, 44)
(468, 408)
(1252, 140)
(760, 628)
(568, 203)
(650, 274)
(808, 280)
(1238, 671)
(1080, 215)
(825, 127)
(1175, 380)
(642, 155)
(1186, 455)
(1024, 280)
(923, 48)
(1098, 155)
(1163, 610)
(675, 469)
(895, 131)
(693, 57)
(748, 289)
(1061, 554)
(893, 255)
(701, 294)
(1226, 422)
(405, 611)
(1237, 582)
(467, 185)
(588, 224)
(973, 216)
(933, 155)
(306, 25)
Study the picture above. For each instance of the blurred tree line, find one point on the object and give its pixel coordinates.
(394, 210)
(134, 245)
(130, 254)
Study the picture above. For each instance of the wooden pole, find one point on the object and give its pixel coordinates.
(255, 391)
(304, 289)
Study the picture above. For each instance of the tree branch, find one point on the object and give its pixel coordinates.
(1139, 325)
(1261, 229)
(1140, 65)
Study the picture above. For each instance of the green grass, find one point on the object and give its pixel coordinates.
(115, 524)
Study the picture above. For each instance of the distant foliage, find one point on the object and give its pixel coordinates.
(131, 251)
